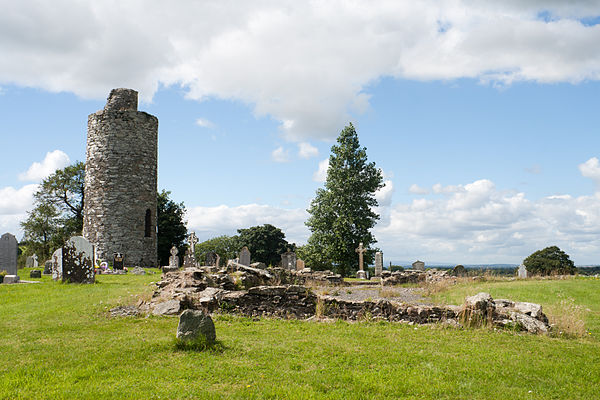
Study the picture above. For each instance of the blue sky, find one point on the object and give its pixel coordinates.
(486, 130)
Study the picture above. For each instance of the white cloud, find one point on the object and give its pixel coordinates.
(306, 150)
(280, 155)
(320, 174)
(440, 189)
(306, 64)
(39, 170)
(204, 123)
(14, 204)
(208, 222)
(591, 169)
(416, 189)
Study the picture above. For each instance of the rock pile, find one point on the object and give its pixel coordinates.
(414, 276)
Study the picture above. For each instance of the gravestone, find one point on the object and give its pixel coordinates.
(418, 265)
(211, 259)
(174, 259)
(360, 274)
(522, 271)
(299, 265)
(8, 254)
(244, 256)
(35, 273)
(78, 261)
(48, 267)
(378, 263)
(118, 261)
(57, 265)
(288, 260)
(31, 261)
(189, 260)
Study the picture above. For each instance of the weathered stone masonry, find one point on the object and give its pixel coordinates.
(120, 181)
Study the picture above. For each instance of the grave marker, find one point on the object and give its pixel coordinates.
(78, 261)
(245, 256)
(8, 253)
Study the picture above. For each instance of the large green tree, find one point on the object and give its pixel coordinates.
(58, 211)
(266, 243)
(548, 261)
(341, 214)
(171, 226)
(41, 230)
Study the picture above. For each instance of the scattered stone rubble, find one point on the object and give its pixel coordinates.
(414, 276)
(278, 292)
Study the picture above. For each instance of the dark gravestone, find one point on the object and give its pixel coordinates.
(8, 254)
(211, 259)
(78, 261)
(118, 261)
(48, 267)
(35, 273)
(288, 260)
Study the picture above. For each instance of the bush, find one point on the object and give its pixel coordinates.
(549, 261)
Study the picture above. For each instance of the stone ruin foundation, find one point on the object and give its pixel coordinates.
(283, 293)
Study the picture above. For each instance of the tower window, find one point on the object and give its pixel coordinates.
(148, 225)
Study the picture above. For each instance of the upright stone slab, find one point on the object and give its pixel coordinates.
(245, 256)
(288, 260)
(418, 265)
(78, 261)
(8, 253)
(378, 263)
(522, 272)
(118, 262)
(57, 265)
(211, 259)
(299, 265)
(48, 267)
(174, 259)
(30, 261)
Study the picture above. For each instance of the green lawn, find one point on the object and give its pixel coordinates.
(56, 341)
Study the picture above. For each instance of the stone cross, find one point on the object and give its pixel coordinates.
(361, 271)
(193, 240)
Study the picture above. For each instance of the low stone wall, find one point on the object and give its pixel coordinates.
(195, 288)
(414, 276)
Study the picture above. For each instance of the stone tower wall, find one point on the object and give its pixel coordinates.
(120, 181)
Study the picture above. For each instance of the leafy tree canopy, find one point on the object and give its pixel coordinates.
(266, 243)
(171, 227)
(225, 246)
(550, 260)
(58, 211)
(341, 214)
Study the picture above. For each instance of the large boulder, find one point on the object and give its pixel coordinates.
(196, 325)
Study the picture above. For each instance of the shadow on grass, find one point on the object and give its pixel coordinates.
(199, 345)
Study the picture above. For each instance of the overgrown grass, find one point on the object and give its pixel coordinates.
(57, 342)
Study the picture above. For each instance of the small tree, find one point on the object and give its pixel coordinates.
(266, 243)
(41, 227)
(170, 225)
(550, 260)
(341, 214)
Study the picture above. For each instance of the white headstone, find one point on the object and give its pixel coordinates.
(522, 271)
(57, 265)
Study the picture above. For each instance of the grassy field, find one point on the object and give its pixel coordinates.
(57, 341)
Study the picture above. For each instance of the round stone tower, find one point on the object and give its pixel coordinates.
(120, 181)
